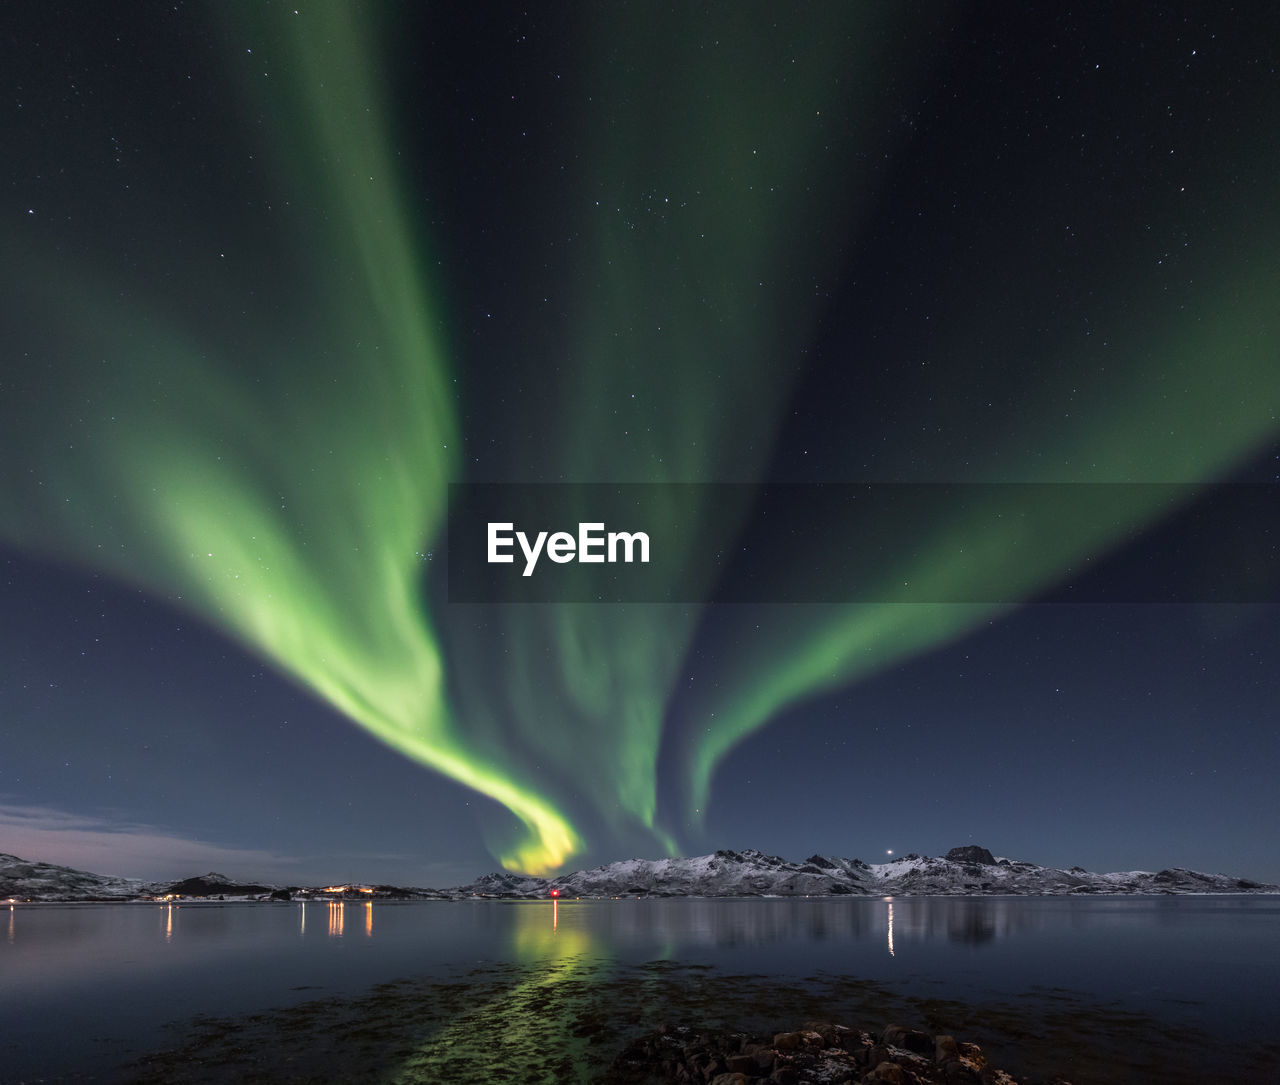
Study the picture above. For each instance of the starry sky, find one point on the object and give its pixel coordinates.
(277, 276)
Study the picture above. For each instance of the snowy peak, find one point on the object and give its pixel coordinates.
(504, 884)
(23, 880)
(971, 853)
(721, 874)
(964, 871)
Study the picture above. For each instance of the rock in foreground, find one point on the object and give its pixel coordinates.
(814, 1053)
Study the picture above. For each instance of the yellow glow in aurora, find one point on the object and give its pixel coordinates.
(285, 490)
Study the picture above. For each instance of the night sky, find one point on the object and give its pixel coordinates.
(276, 275)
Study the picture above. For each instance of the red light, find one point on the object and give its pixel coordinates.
(555, 892)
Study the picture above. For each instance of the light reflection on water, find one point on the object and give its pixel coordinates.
(920, 925)
(337, 917)
(525, 1015)
(103, 970)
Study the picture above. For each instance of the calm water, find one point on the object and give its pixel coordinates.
(85, 988)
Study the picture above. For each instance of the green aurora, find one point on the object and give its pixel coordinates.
(288, 490)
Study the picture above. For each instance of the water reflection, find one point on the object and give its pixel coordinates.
(972, 925)
(368, 919)
(536, 1009)
(538, 936)
(970, 920)
(895, 922)
(745, 923)
(11, 921)
(96, 970)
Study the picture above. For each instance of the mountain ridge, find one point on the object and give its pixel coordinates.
(964, 871)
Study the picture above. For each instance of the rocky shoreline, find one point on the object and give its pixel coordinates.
(582, 1025)
(817, 1052)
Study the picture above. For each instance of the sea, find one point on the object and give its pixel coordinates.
(1092, 989)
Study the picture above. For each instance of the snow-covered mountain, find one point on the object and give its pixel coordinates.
(22, 880)
(967, 871)
(962, 872)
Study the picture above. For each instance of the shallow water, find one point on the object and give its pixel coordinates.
(451, 990)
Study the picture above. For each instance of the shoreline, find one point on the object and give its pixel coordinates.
(456, 994)
(398, 900)
(569, 1022)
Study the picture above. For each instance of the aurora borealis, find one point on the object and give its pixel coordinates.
(275, 278)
